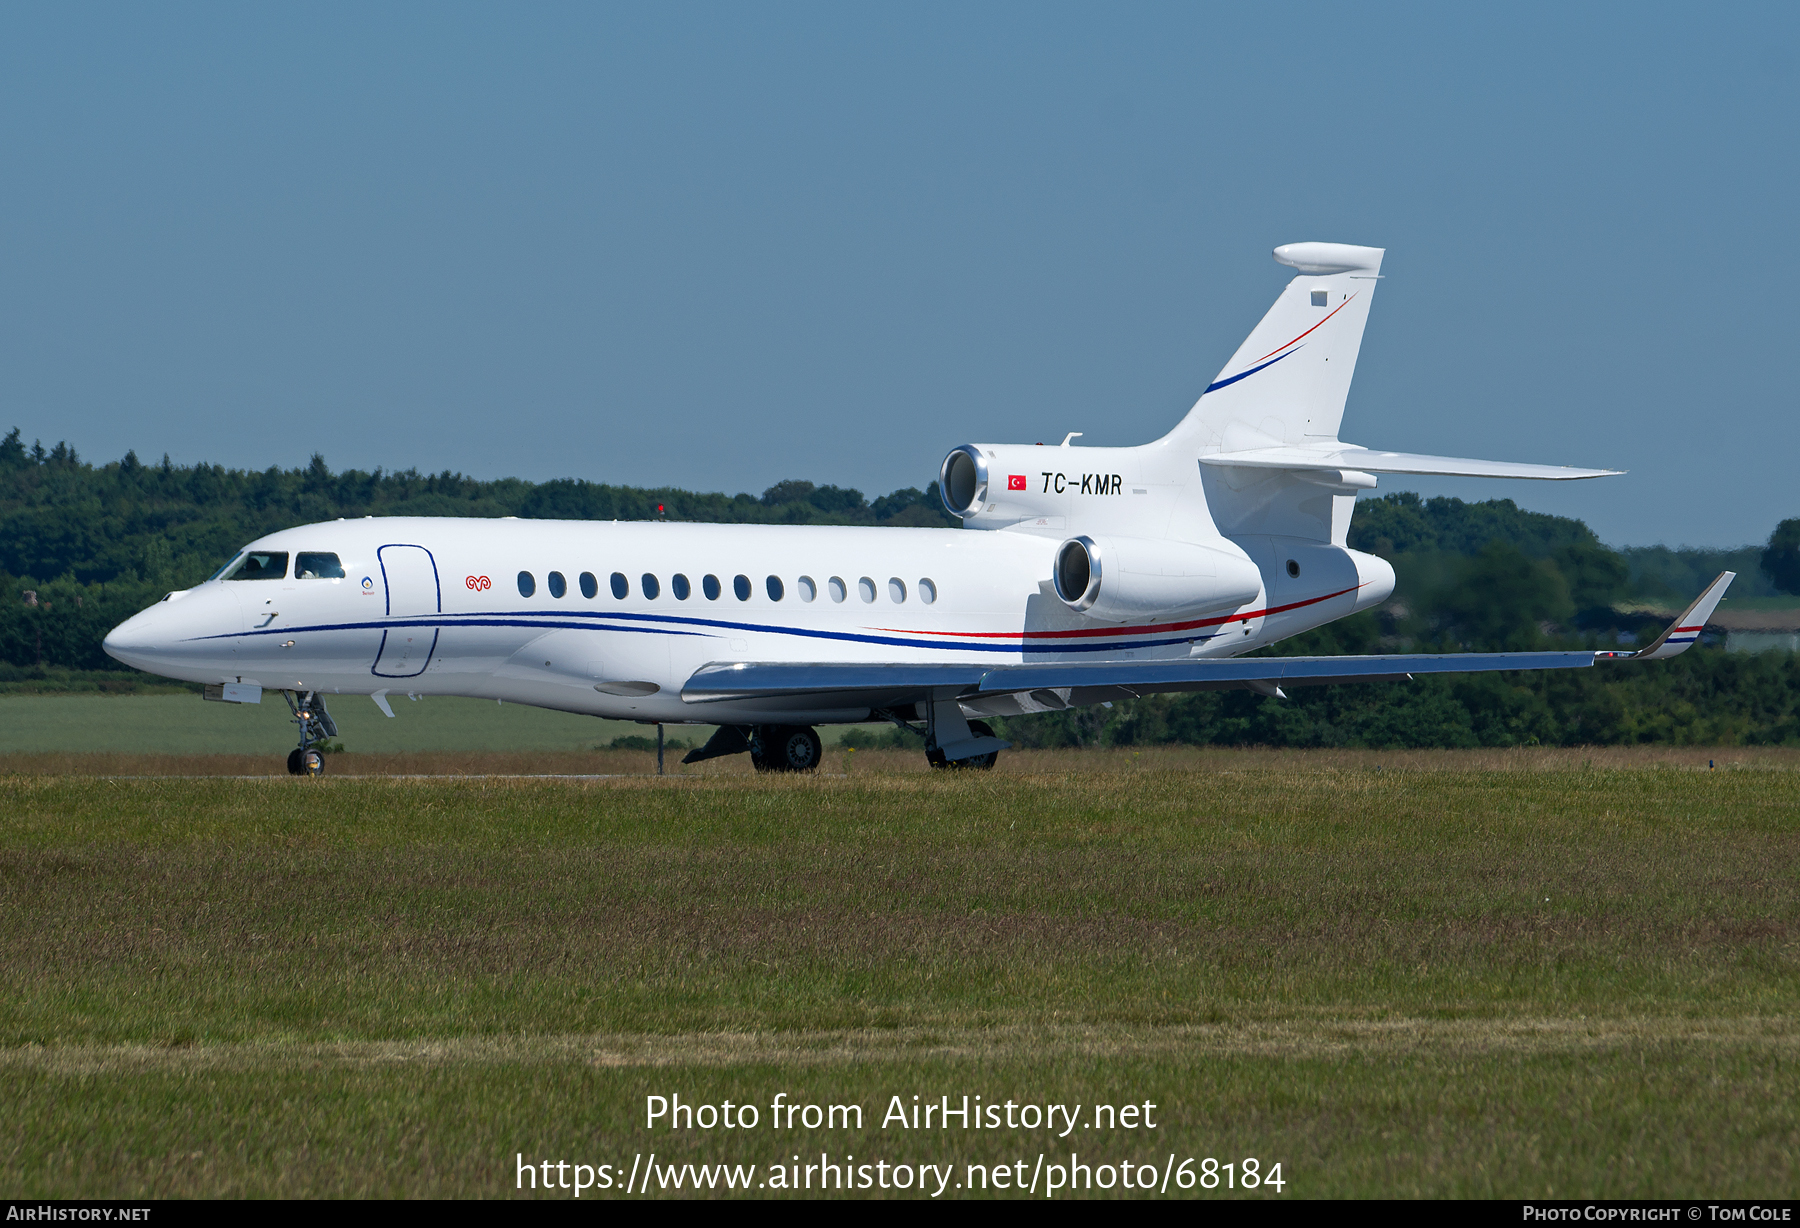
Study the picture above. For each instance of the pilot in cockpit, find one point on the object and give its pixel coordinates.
(309, 566)
(272, 565)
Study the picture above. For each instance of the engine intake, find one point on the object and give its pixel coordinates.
(963, 480)
(1077, 574)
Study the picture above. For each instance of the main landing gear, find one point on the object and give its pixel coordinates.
(773, 748)
(315, 726)
(785, 748)
(982, 762)
(951, 741)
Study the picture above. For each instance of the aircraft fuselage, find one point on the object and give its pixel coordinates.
(612, 618)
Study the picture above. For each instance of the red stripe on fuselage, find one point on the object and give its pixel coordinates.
(1087, 632)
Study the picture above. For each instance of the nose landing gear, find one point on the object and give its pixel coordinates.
(315, 726)
(305, 763)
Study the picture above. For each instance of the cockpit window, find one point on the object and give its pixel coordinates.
(317, 567)
(262, 565)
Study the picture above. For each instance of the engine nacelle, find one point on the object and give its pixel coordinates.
(1131, 579)
(992, 486)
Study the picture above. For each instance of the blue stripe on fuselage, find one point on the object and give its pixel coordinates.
(553, 622)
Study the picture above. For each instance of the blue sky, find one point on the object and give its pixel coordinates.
(718, 246)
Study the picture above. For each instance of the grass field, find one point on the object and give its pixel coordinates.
(185, 724)
(1521, 974)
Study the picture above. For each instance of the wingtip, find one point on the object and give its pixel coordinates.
(1686, 629)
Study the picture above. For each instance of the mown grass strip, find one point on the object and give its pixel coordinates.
(1461, 981)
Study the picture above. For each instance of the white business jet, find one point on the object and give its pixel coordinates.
(1095, 574)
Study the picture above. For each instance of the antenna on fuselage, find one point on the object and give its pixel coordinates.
(1069, 436)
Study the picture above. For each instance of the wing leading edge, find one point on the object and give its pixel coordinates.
(881, 685)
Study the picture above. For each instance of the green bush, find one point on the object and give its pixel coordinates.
(637, 741)
(891, 738)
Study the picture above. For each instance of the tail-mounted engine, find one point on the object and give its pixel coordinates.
(1131, 579)
(963, 481)
(990, 486)
(1109, 496)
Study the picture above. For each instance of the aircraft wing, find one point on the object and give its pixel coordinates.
(878, 684)
(1367, 460)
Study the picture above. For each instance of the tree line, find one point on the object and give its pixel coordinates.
(1490, 577)
(84, 546)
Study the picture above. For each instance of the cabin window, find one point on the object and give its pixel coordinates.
(897, 590)
(1293, 569)
(1319, 297)
(927, 591)
(836, 588)
(309, 566)
(558, 585)
(589, 585)
(807, 589)
(710, 586)
(865, 588)
(621, 587)
(774, 586)
(652, 590)
(527, 584)
(260, 565)
(678, 584)
(741, 586)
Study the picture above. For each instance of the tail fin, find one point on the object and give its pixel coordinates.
(1287, 383)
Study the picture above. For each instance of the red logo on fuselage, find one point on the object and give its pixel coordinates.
(1016, 482)
(478, 582)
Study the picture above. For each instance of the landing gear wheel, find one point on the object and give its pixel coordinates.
(305, 763)
(315, 726)
(786, 748)
(980, 729)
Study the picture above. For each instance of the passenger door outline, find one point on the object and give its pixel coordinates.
(400, 646)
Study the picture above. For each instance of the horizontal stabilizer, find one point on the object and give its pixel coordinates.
(1366, 460)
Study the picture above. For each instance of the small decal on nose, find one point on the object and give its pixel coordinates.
(368, 585)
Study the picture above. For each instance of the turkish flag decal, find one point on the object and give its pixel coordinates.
(1015, 482)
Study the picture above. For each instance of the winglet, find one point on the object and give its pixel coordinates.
(1686, 629)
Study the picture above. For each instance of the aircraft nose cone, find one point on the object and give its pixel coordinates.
(132, 641)
(121, 647)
